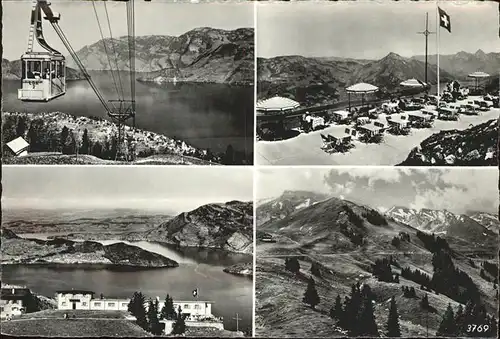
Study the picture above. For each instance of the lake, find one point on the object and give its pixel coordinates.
(198, 268)
(204, 115)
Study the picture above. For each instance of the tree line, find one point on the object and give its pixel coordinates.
(355, 312)
(42, 138)
(149, 318)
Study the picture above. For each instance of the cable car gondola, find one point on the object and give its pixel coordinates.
(43, 75)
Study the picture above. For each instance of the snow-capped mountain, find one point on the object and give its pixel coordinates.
(287, 203)
(424, 219)
(488, 220)
(441, 221)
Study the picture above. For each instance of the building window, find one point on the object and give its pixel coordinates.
(111, 304)
(1, 309)
(186, 306)
(124, 304)
(197, 307)
(84, 303)
(97, 304)
(63, 303)
(176, 306)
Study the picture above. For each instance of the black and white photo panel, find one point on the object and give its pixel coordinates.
(135, 251)
(377, 83)
(128, 82)
(371, 252)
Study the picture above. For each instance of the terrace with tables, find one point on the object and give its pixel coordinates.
(381, 134)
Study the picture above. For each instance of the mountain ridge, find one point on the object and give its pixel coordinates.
(203, 54)
(227, 226)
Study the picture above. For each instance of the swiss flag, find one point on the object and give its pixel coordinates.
(444, 20)
(195, 293)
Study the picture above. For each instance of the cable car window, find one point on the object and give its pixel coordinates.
(23, 69)
(53, 69)
(34, 69)
(46, 69)
(58, 69)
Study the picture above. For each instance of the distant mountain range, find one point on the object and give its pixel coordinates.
(322, 80)
(199, 55)
(309, 210)
(478, 224)
(462, 63)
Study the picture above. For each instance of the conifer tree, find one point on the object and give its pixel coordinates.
(337, 308)
(292, 264)
(179, 326)
(85, 149)
(168, 311)
(367, 325)
(424, 303)
(152, 314)
(315, 270)
(137, 309)
(447, 328)
(459, 320)
(393, 329)
(311, 296)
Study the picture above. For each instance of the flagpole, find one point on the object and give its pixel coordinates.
(437, 51)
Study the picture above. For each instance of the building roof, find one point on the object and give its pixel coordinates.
(17, 145)
(192, 301)
(19, 293)
(75, 292)
(277, 103)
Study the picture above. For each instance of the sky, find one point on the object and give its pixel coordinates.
(160, 188)
(157, 17)
(457, 190)
(371, 30)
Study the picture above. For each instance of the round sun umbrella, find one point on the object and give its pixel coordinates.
(361, 88)
(276, 104)
(477, 76)
(413, 83)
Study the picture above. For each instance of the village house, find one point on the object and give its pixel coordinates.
(18, 147)
(84, 300)
(13, 301)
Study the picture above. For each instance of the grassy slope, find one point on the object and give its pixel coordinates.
(86, 323)
(45, 158)
(311, 234)
(281, 312)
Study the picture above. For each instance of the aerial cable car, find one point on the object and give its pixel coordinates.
(43, 75)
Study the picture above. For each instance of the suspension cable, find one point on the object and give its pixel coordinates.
(131, 52)
(72, 52)
(106, 49)
(114, 51)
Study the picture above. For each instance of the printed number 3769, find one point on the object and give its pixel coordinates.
(477, 328)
